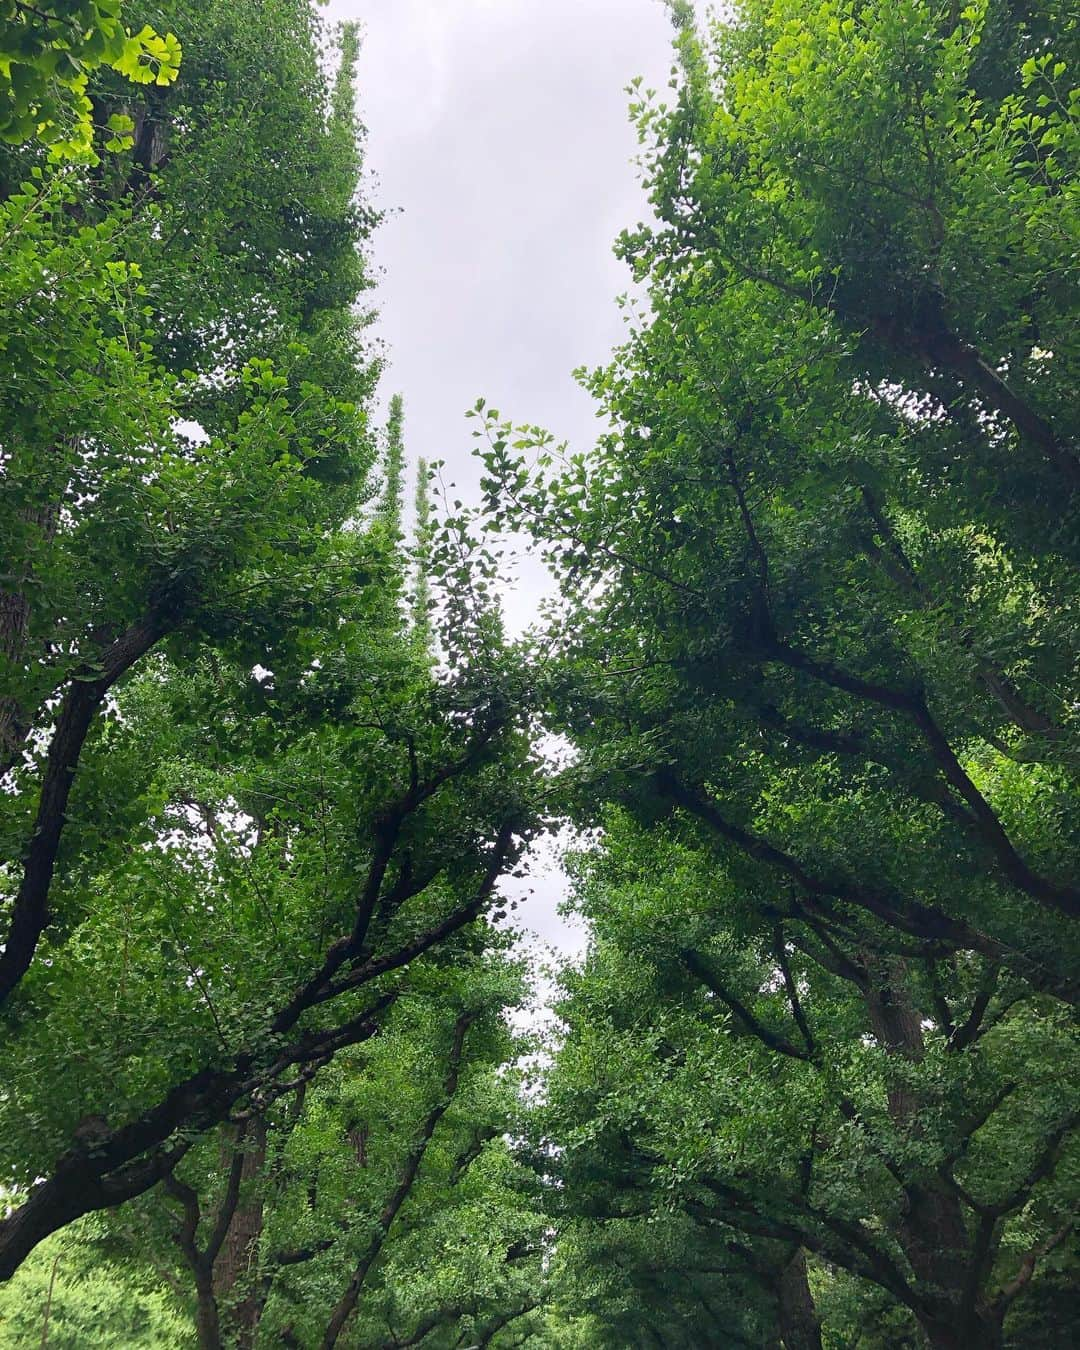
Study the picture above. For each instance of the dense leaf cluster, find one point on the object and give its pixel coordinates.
(817, 644)
(268, 766)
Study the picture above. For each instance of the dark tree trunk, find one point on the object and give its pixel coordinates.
(800, 1328)
(979, 1331)
(14, 616)
(235, 1268)
(932, 1231)
(207, 1323)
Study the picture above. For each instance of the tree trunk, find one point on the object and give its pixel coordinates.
(981, 1331)
(207, 1323)
(800, 1328)
(235, 1266)
(14, 616)
(932, 1231)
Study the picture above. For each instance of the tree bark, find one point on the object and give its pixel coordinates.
(207, 1322)
(932, 1230)
(235, 1264)
(981, 1331)
(800, 1328)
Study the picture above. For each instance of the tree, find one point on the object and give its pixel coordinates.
(790, 602)
(376, 1198)
(904, 1125)
(243, 807)
(818, 590)
(266, 767)
(237, 435)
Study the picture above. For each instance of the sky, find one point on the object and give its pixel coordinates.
(500, 147)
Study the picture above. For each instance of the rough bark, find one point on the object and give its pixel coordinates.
(235, 1265)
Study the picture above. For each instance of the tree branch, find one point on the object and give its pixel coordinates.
(86, 691)
(343, 1310)
(780, 1045)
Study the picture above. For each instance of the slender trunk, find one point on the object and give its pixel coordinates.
(48, 1302)
(200, 1263)
(207, 1322)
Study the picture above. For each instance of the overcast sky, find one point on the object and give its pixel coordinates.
(499, 138)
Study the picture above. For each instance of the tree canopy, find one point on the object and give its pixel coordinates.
(272, 767)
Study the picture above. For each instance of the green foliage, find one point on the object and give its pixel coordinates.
(265, 767)
(815, 642)
(47, 54)
(246, 826)
(697, 1089)
(69, 1295)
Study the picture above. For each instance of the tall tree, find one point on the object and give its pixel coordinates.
(803, 580)
(218, 433)
(820, 593)
(243, 809)
(421, 591)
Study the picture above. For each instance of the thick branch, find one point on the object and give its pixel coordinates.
(30, 912)
(780, 1045)
(908, 915)
(845, 1243)
(133, 1158)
